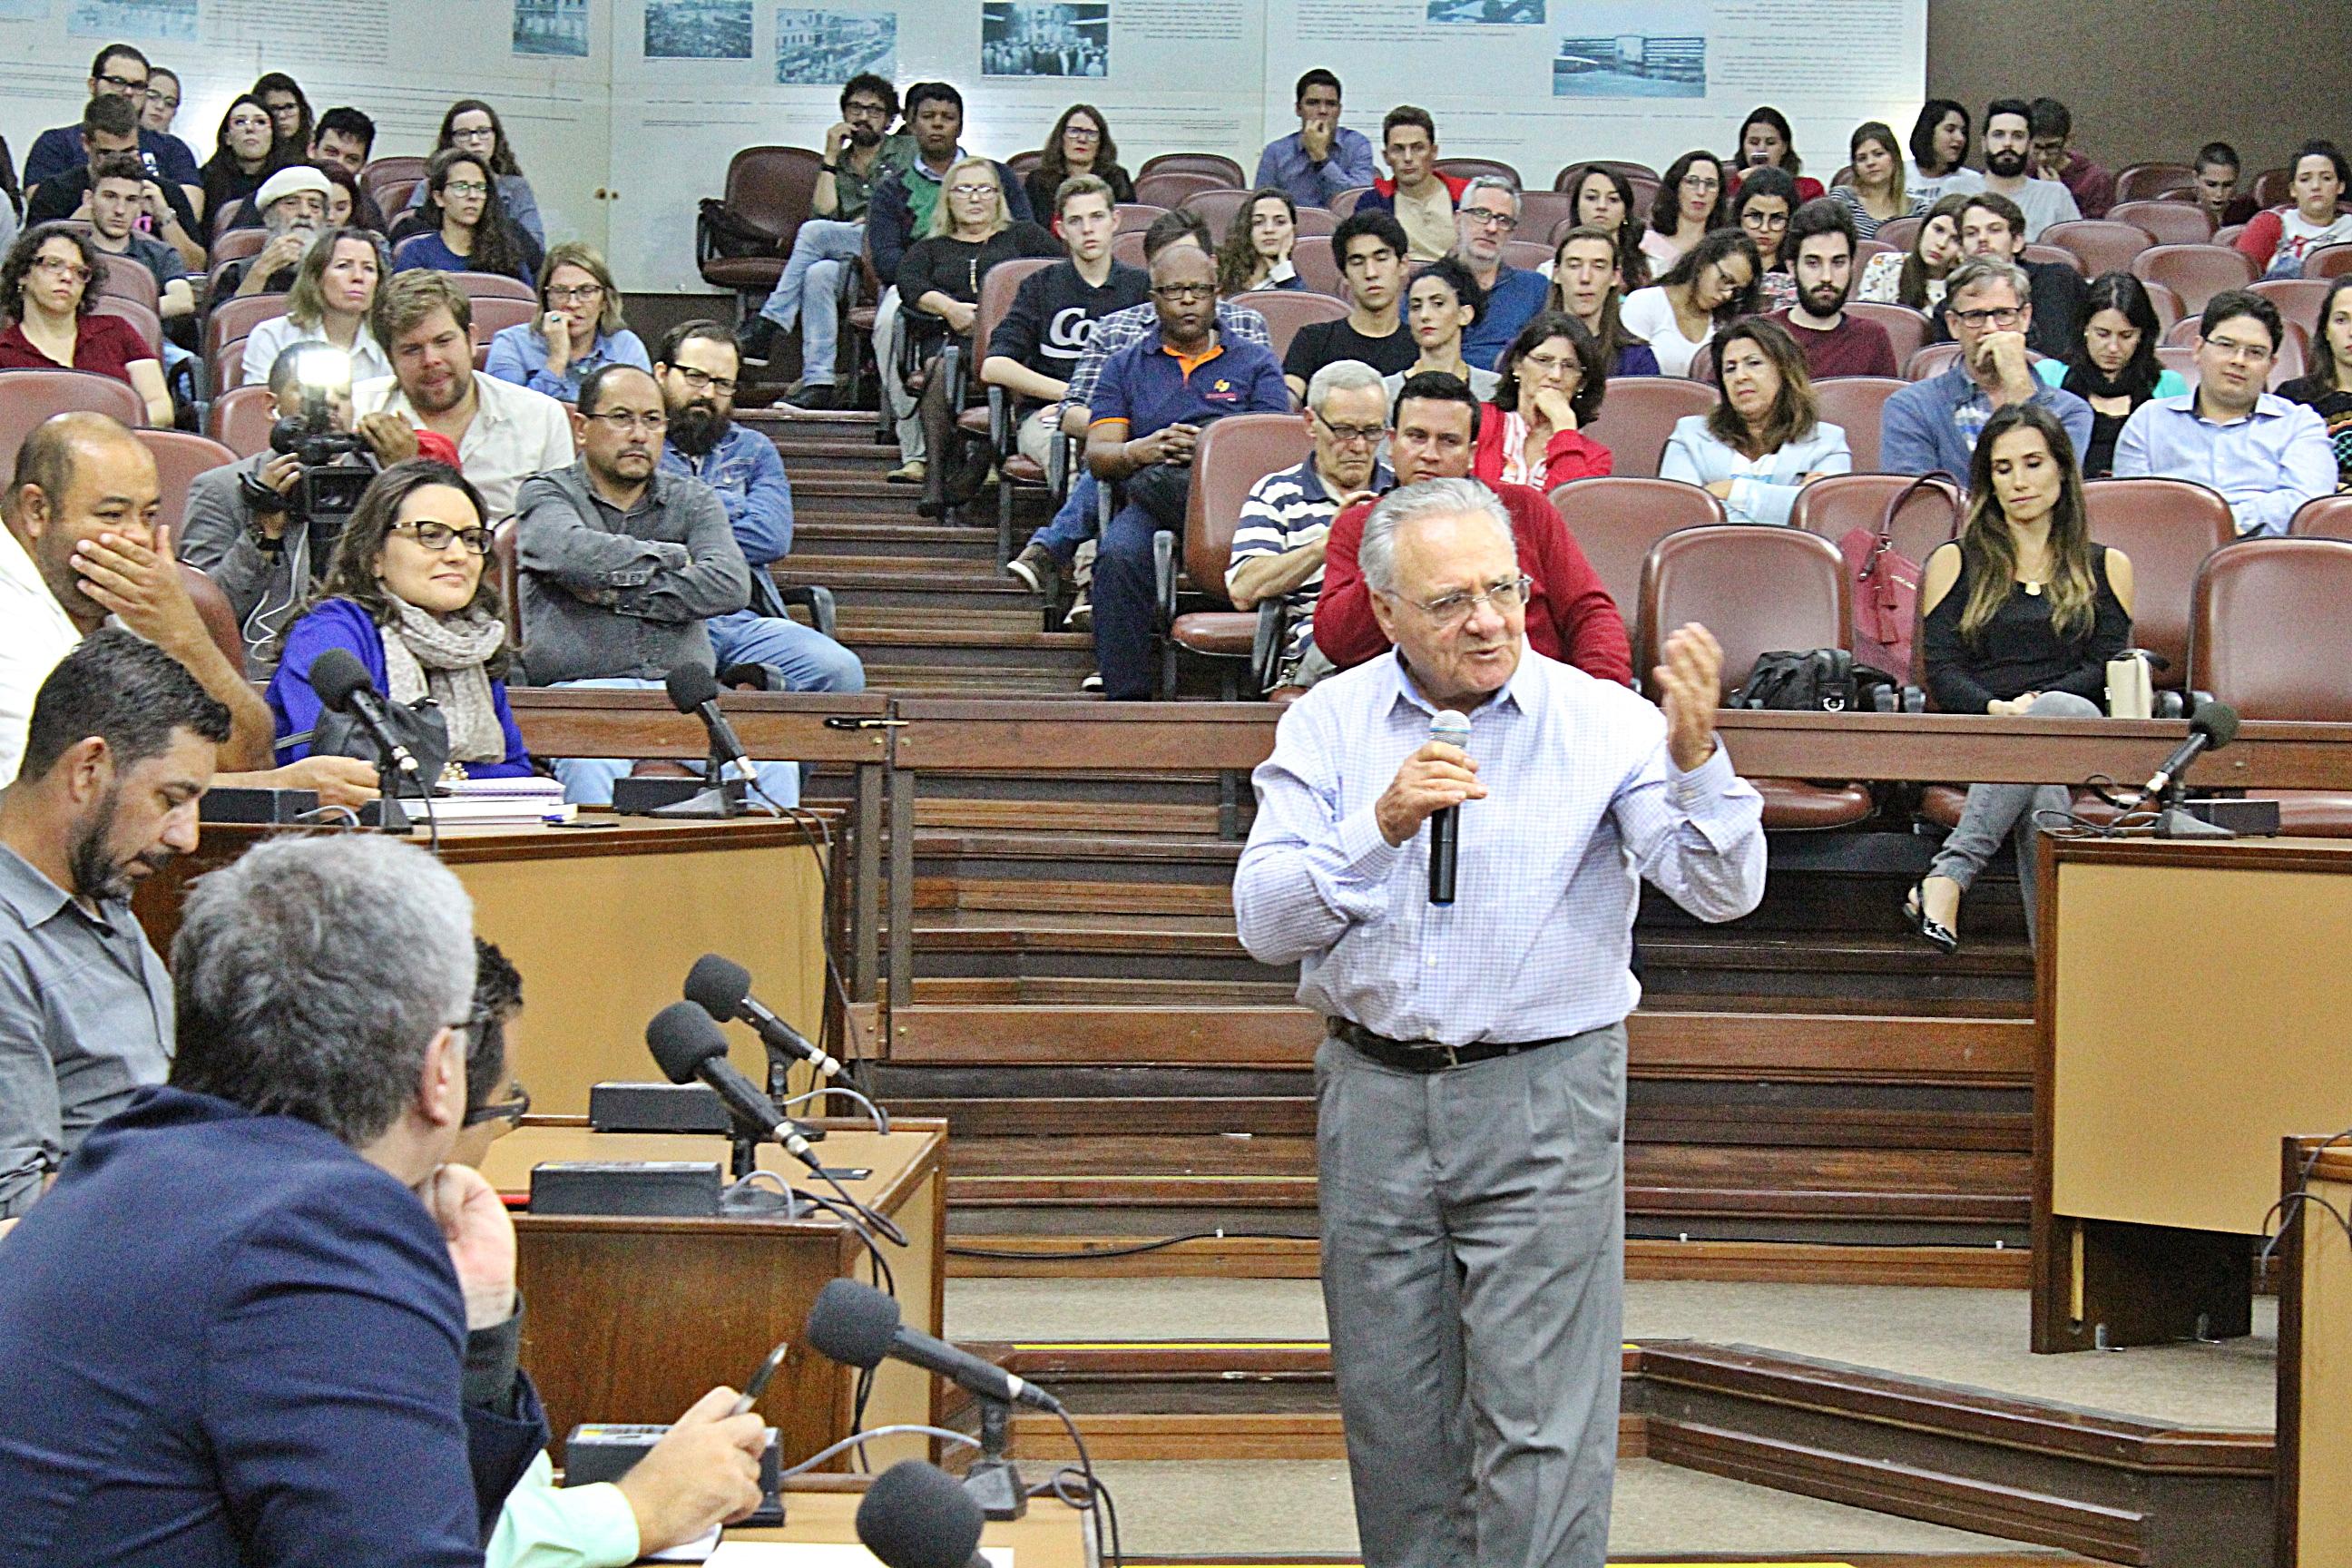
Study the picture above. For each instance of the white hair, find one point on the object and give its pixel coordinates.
(1343, 375)
(1376, 556)
(1489, 182)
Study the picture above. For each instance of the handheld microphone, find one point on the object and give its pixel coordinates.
(343, 685)
(2213, 726)
(688, 1046)
(694, 689)
(723, 988)
(1445, 825)
(916, 1515)
(858, 1326)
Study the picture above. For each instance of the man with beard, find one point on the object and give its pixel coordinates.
(1484, 219)
(1821, 246)
(697, 370)
(1993, 228)
(121, 745)
(293, 207)
(503, 433)
(2009, 169)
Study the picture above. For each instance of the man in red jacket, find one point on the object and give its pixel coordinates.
(1571, 616)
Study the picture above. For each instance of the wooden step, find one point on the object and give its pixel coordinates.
(841, 571)
(936, 681)
(829, 533)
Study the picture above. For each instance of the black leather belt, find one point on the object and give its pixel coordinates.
(1428, 1055)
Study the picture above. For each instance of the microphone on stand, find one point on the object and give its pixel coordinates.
(343, 685)
(688, 1046)
(723, 988)
(2213, 726)
(1445, 825)
(694, 689)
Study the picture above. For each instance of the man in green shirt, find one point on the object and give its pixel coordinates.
(858, 151)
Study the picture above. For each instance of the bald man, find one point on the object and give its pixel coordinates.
(85, 544)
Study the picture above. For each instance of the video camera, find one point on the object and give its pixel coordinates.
(328, 490)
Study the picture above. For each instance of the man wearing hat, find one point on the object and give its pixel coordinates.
(293, 207)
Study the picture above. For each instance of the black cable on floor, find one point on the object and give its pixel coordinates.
(1136, 1249)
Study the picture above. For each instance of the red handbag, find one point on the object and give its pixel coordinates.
(1886, 581)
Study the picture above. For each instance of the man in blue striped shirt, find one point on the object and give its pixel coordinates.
(1470, 1098)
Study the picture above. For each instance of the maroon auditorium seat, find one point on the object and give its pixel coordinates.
(1617, 519)
(2269, 637)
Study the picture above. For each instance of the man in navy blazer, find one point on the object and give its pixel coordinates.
(259, 1318)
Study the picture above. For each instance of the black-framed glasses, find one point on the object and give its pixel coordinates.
(580, 296)
(124, 85)
(1185, 293)
(436, 537)
(512, 1108)
(1486, 219)
(2002, 317)
(703, 381)
(1351, 435)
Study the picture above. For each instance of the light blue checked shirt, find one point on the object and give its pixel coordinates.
(2265, 465)
(1582, 799)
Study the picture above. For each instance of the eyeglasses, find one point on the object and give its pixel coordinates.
(514, 1107)
(1546, 363)
(1774, 222)
(1486, 219)
(1351, 435)
(1081, 133)
(1700, 182)
(2003, 317)
(124, 85)
(164, 99)
(865, 109)
(968, 192)
(481, 133)
(580, 296)
(465, 188)
(1185, 293)
(703, 381)
(620, 422)
(1452, 609)
(436, 537)
(2253, 353)
(58, 267)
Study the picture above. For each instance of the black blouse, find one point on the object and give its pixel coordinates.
(2018, 650)
(955, 267)
(1041, 195)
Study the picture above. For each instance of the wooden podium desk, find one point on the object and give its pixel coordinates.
(2314, 1360)
(2194, 1009)
(603, 921)
(1052, 1535)
(633, 1319)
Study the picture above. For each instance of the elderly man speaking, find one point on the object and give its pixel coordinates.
(1471, 1095)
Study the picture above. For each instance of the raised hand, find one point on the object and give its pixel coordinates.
(1690, 689)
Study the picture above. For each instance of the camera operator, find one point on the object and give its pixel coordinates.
(258, 529)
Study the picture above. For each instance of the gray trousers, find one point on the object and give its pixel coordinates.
(1474, 1275)
(1998, 812)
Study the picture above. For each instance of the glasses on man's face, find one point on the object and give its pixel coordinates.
(1770, 223)
(1352, 434)
(1452, 609)
(703, 381)
(436, 537)
(124, 85)
(59, 266)
(580, 296)
(620, 422)
(513, 1108)
(970, 192)
(2250, 353)
(1185, 293)
(1485, 218)
(2000, 318)
(865, 108)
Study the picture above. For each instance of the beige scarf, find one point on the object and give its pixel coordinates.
(425, 655)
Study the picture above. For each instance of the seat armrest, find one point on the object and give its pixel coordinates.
(1164, 574)
(819, 601)
(1265, 651)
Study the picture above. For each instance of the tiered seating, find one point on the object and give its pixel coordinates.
(2269, 637)
(1639, 414)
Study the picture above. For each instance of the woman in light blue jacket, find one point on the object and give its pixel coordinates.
(1765, 439)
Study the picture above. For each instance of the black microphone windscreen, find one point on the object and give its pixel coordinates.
(717, 986)
(336, 675)
(2218, 721)
(916, 1515)
(691, 686)
(682, 1038)
(854, 1324)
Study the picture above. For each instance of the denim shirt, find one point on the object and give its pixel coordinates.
(519, 355)
(747, 474)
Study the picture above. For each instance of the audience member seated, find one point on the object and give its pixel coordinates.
(109, 129)
(345, 140)
(407, 596)
(2009, 169)
(246, 153)
(1587, 284)
(2093, 188)
(292, 203)
(1604, 200)
(2326, 390)
(859, 149)
(289, 110)
(1712, 286)
(243, 528)
(1761, 211)
(1485, 218)
(1821, 244)
(2114, 367)
(2266, 455)
(503, 433)
(121, 194)
(1421, 198)
(1442, 304)
(1932, 426)
(1690, 203)
(579, 328)
(1080, 145)
(698, 370)
(1371, 247)
(2020, 616)
(1940, 154)
(1570, 615)
(120, 744)
(1035, 349)
(462, 228)
(347, 205)
(119, 71)
(473, 128)
(1992, 226)
(972, 230)
(2217, 185)
(1258, 241)
(46, 292)
(1147, 415)
(2278, 240)
(1550, 385)
(1767, 143)
(1765, 440)
(283, 1217)
(1322, 157)
(1285, 519)
(1878, 194)
(163, 107)
(1916, 277)
(333, 294)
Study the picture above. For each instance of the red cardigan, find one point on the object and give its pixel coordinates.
(1569, 455)
(1571, 616)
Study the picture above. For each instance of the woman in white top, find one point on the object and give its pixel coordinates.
(1438, 309)
(1765, 441)
(1712, 285)
(1878, 194)
(1689, 202)
(332, 293)
(1939, 146)
(1916, 277)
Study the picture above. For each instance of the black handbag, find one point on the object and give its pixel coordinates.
(1819, 680)
(420, 726)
